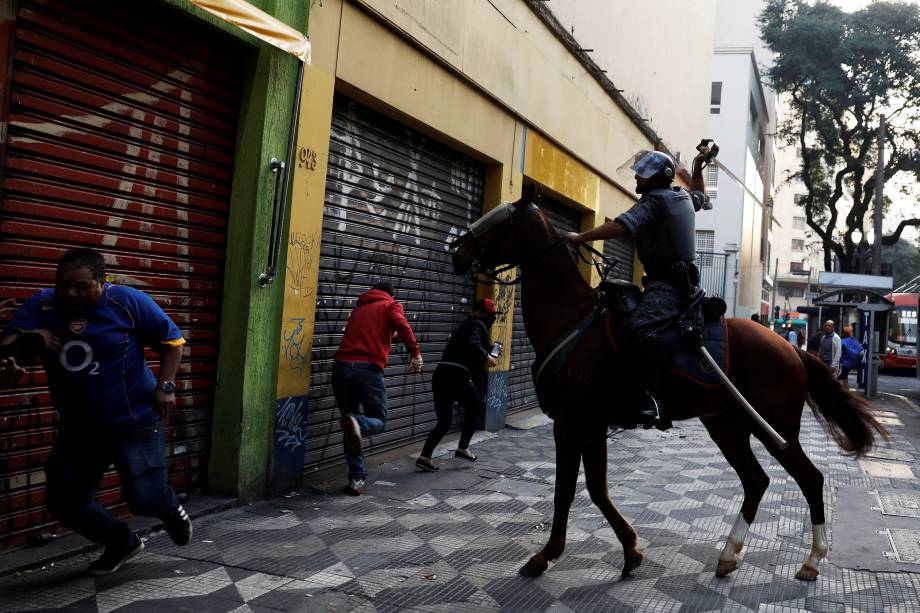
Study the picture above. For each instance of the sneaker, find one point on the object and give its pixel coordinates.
(179, 526)
(113, 558)
(427, 465)
(466, 454)
(356, 487)
(351, 435)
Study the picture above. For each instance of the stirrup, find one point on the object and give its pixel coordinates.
(649, 416)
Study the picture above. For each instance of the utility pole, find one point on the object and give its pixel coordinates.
(775, 281)
(879, 188)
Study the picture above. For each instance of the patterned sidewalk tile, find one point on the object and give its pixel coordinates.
(454, 543)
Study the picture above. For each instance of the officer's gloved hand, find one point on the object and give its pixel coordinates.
(415, 365)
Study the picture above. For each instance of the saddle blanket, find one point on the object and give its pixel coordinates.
(693, 366)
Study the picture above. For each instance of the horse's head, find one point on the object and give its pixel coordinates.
(493, 239)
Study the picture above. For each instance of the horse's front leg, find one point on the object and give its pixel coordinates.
(568, 458)
(595, 459)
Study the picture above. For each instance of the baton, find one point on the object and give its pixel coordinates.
(779, 440)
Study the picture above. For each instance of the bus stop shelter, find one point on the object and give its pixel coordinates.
(872, 327)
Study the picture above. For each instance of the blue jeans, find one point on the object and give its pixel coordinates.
(79, 459)
(359, 384)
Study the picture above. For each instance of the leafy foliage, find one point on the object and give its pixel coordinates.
(840, 71)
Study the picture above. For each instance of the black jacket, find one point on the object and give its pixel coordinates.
(469, 345)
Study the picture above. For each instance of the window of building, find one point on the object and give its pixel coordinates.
(754, 116)
(705, 245)
(791, 291)
(796, 267)
(798, 223)
(712, 176)
(798, 244)
(715, 98)
(800, 199)
(705, 240)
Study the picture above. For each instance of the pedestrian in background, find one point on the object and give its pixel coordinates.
(461, 377)
(829, 347)
(111, 406)
(793, 336)
(814, 343)
(357, 374)
(851, 353)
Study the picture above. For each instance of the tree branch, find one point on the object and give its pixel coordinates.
(895, 236)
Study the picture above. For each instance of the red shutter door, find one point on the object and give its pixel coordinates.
(122, 128)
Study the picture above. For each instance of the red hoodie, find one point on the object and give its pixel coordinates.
(370, 328)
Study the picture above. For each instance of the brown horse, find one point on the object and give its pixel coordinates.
(556, 298)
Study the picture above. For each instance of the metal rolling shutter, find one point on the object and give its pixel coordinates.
(623, 250)
(395, 199)
(521, 392)
(121, 137)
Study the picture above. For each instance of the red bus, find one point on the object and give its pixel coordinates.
(902, 332)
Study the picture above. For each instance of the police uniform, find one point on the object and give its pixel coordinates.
(663, 226)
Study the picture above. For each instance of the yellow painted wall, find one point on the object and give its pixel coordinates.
(305, 231)
(487, 67)
(502, 184)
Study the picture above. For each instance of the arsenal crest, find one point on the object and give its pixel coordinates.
(77, 326)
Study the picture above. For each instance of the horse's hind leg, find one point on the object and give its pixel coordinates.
(568, 458)
(811, 482)
(595, 460)
(733, 436)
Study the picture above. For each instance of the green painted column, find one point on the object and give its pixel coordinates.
(243, 415)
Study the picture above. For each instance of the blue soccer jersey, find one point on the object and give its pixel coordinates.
(101, 376)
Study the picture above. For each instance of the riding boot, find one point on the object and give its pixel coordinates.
(651, 414)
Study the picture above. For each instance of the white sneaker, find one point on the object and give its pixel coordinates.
(356, 487)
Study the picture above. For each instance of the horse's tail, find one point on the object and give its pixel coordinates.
(844, 415)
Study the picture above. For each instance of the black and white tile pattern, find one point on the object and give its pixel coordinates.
(453, 541)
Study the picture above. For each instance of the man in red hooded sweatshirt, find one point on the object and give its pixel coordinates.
(357, 375)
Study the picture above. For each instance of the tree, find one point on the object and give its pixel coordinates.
(840, 71)
(904, 258)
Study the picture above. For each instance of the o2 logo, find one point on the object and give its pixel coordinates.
(71, 360)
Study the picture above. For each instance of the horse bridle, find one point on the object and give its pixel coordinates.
(516, 217)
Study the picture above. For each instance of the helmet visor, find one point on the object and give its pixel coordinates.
(643, 163)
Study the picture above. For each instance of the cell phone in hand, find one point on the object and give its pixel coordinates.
(496, 349)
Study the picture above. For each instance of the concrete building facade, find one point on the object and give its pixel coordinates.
(742, 120)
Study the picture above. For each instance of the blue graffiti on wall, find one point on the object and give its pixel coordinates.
(293, 347)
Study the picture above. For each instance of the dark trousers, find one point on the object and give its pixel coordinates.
(359, 385)
(652, 331)
(79, 459)
(453, 384)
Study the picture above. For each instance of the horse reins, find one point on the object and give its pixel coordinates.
(602, 263)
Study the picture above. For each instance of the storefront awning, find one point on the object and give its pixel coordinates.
(260, 24)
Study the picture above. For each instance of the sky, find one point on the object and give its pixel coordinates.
(853, 5)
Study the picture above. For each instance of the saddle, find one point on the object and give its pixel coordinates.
(702, 323)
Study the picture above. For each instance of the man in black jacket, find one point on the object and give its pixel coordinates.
(461, 377)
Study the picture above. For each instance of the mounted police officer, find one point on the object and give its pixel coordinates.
(663, 226)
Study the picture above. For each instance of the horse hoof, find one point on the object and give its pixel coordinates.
(807, 573)
(725, 567)
(633, 560)
(533, 568)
